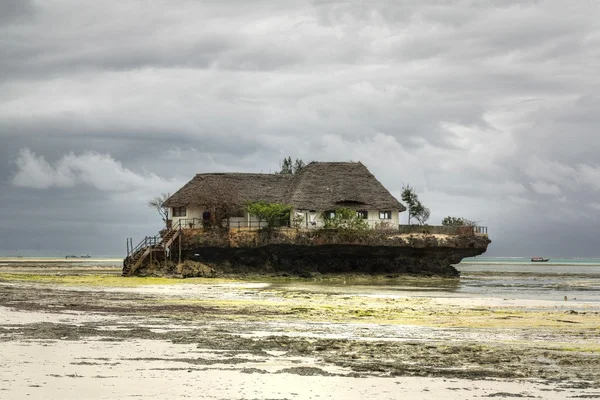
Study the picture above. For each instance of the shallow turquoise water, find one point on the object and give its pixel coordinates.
(514, 278)
(527, 261)
(576, 278)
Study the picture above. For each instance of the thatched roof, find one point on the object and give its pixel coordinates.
(330, 185)
(237, 188)
(319, 186)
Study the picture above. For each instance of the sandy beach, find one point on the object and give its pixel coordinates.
(89, 333)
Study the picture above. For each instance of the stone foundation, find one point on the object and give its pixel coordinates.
(306, 254)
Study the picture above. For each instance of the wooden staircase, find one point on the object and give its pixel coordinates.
(169, 237)
(149, 245)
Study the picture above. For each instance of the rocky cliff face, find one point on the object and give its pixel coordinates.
(327, 252)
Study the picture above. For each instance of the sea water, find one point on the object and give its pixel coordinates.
(507, 278)
(514, 277)
(495, 277)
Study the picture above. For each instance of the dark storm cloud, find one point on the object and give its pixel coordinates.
(487, 107)
(12, 11)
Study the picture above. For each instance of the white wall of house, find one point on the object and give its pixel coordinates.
(372, 218)
(194, 215)
(190, 215)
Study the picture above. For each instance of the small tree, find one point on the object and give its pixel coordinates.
(416, 209)
(344, 218)
(409, 197)
(158, 204)
(272, 213)
(422, 215)
(289, 167)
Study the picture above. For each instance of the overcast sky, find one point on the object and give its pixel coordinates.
(490, 108)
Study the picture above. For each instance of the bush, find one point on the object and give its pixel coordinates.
(274, 214)
(344, 218)
(457, 221)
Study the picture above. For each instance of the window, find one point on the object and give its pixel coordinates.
(329, 214)
(237, 214)
(385, 215)
(362, 214)
(179, 211)
(206, 216)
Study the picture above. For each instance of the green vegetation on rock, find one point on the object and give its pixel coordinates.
(274, 214)
(457, 221)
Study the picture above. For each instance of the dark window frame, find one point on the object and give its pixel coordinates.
(179, 211)
(238, 214)
(362, 214)
(385, 215)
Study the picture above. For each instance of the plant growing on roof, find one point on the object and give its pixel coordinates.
(416, 209)
(272, 213)
(289, 167)
(344, 218)
(298, 165)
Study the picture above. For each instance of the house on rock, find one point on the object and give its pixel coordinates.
(304, 203)
(314, 194)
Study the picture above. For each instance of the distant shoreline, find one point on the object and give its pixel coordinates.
(529, 263)
(53, 260)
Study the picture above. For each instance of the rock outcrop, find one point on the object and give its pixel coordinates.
(326, 252)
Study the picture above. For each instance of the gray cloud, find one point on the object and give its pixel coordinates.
(13, 11)
(99, 171)
(489, 108)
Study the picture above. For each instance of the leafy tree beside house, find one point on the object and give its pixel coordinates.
(274, 214)
(416, 209)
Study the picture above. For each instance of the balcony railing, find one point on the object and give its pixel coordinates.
(443, 230)
(377, 224)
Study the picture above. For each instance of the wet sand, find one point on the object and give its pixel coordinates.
(88, 333)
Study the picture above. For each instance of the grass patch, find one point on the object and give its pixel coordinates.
(104, 280)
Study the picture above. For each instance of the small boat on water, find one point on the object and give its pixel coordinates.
(539, 259)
